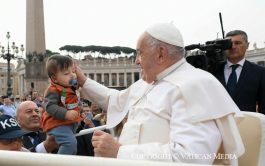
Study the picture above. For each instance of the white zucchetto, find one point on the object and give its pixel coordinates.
(166, 32)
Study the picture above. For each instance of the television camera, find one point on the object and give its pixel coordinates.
(210, 55)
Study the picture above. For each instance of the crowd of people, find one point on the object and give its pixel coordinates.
(174, 112)
(28, 114)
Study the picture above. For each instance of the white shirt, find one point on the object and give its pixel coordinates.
(40, 148)
(170, 120)
(8, 110)
(228, 69)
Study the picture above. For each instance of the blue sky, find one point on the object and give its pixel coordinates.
(120, 22)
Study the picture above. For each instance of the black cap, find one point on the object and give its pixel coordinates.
(9, 128)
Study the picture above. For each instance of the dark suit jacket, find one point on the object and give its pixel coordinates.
(29, 145)
(250, 88)
(84, 145)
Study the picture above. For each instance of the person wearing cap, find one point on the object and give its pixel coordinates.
(175, 112)
(11, 134)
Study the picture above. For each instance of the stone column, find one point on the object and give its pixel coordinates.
(102, 78)
(95, 76)
(118, 79)
(35, 33)
(133, 78)
(36, 75)
(125, 79)
(110, 79)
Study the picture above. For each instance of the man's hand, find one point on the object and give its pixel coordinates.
(105, 145)
(50, 143)
(81, 78)
(89, 122)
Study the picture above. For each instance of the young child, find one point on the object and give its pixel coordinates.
(61, 103)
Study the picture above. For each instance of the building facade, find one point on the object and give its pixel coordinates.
(257, 56)
(3, 78)
(118, 72)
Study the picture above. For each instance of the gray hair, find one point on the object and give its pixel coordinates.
(238, 32)
(172, 49)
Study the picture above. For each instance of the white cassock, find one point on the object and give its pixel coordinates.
(184, 116)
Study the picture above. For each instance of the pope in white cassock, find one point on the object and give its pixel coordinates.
(175, 112)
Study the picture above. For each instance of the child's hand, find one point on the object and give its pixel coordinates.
(71, 115)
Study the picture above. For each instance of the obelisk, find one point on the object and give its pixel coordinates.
(36, 77)
(35, 33)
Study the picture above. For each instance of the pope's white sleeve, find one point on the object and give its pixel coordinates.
(111, 100)
(96, 92)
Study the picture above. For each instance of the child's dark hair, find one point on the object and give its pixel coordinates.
(57, 63)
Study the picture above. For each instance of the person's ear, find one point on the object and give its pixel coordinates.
(162, 54)
(53, 78)
(247, 45)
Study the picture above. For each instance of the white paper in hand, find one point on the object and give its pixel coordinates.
(91, 130)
